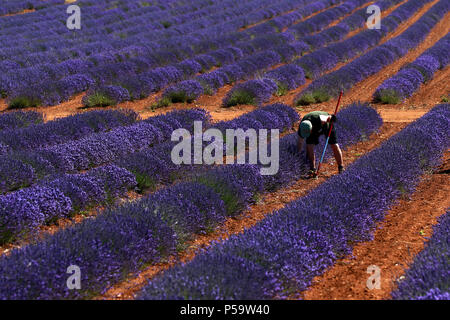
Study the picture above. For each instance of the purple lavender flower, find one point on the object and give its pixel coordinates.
(14, 174)
(287, 77)
(189, 67)
(19, 119)
(105, 96)
(253, 92)
(399, 87)
(186, 211)
(185, 91)
(84, 190)
(18, 217)
(206, 61)
(114, 180)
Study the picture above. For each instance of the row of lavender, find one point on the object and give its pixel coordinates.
(19, 119)
(23, 212)
(125, 238)
(132, 51)
(154, 166)
(60, 196)
(25, 167)
(290, 76)
(282, 79)
(25, 130)
(117, 84)
(166, 22)
(103, 23)
(331, 84)
(100, 20)
(280, 255)
(76, 75)
(428, 276)
(408, 80)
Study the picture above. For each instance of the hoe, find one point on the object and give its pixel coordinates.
(328, 137)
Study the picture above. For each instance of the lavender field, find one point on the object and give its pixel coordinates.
(149, 150)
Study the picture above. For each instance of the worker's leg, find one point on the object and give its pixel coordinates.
(336, 150)
(337, 154)
(311, 156)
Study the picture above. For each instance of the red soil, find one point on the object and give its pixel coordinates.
(397, 240)
(18, 13)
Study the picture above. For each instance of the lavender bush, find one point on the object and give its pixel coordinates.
(60, 197)
(154, 166)
(408, 80)
(14, 174)
(287, 78)
(311, 65)
(105, 96)
(117, 242)
(185, 91)
(103, 148)
(19, 119)
(253, 92)
(185, 33)
(427, 277)
(66, 129)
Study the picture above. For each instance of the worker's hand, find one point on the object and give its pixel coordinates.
(333, 118)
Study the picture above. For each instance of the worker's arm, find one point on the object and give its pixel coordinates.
(300, 144)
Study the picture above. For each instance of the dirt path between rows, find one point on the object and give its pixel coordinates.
(363, 91)
(398, 239)
(270, 202)
(18, 13)
(429, 95)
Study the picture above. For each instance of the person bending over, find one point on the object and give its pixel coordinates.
(311, 127)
